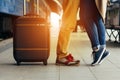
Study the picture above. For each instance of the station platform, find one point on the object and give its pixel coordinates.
(80, 49)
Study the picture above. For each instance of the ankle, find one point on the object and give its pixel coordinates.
(95, 49)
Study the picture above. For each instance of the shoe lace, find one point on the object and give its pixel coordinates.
(69, 57)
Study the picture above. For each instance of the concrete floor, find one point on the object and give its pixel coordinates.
(79, 47)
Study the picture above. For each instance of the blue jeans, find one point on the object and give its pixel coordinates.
(96, 31)
(93, 23)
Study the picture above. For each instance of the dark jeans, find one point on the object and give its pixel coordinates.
(93, 23)
(96, 32)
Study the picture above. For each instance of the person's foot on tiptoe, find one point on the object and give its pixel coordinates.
(68, 60)
(105, 54)
(97, 55)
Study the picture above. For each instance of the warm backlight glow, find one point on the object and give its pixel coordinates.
(54, 19)
(55, 23)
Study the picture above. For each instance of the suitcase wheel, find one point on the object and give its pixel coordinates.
(18, 63)
(45, 62)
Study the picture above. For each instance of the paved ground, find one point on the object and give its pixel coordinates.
(79, 46)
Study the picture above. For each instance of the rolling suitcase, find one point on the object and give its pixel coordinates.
(31, 40)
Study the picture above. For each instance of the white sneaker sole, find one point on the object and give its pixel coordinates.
(103, 59)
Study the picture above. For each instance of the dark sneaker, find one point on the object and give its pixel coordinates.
(68, 60)
(106, 53)
(97, 56)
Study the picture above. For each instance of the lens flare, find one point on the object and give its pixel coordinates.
(54, 19)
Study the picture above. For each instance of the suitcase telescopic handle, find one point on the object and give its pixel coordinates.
(32, 6)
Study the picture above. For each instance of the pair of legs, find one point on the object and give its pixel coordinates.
(93, 23)
(63, 56)
(96, 31)
(69, 17)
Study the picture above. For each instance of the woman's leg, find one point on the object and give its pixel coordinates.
(92, 33)
(101, 32)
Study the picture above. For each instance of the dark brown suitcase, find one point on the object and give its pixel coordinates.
(31, 41)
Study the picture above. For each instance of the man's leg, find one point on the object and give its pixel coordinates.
(63, 42)
(70, 8)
